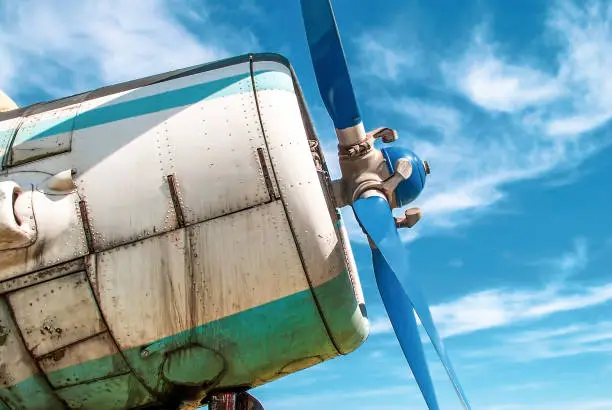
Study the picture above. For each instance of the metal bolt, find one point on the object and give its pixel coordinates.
(427, 167)
(410, 218)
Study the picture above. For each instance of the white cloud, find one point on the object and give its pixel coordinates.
(436, 116)
(499, 307)
(380, 325)
(574, 99)
(568, 263)
(72, 46)
(585, 32)
(384, 58)
(578, 338)
(497, 85)
(576, 124)
(543, 129)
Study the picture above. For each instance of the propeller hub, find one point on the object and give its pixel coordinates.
(410, 188)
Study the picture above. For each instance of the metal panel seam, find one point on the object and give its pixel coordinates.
(39, 271)
(71, 344)
(291, 227)
(112, 336)
(43, 374)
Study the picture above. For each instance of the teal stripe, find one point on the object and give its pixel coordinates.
(5, 139)
(273, 80)
(45, 128)
(97, 369)
(117, 111)
(260, 341)
(163, 101)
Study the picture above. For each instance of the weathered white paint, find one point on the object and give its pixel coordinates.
(297, 176)
(17, 227)
(150, 282)
(14, 354)
(136, 200)
(145, 282)
(7, 130)
(26, 149)
(58, 234)
(244, 260)
(218, 170)
(54, 314)
(90, 349)
(241, 247)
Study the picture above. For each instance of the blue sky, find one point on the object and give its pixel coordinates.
(509, 101)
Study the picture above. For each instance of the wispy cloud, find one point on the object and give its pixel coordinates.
(573, 99)
(568, 263)
(502, 307)
(498, 85)
(72, 46)
(577, 338)
(434, 116)
(381, 56)
(520, 121)
(380, 325)
(496, 308)
(499, 307)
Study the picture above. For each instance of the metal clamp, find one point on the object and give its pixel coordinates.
(387, 135)
(410, 218)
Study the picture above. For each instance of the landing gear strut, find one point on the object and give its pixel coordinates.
(234, 401)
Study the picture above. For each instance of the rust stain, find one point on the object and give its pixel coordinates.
(86, 225)
(4, 332)
(176, 200)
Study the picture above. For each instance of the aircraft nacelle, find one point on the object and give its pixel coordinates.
(168, 237)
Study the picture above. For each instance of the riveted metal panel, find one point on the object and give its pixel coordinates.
(307, 203)
(114, 393)
(44, 275)
(244, 260)
(59, 237)
(54, 314)
(7, 131)
(145, 282)
(126, 160)
(299, 183)
(43, 134)
(214, 150)
(16, 364)
(98, 358)
(21, 387)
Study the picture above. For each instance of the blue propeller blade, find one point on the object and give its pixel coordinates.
(329, 63)
(404, 323)
(374, 215)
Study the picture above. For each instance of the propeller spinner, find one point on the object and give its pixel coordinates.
(373, 182)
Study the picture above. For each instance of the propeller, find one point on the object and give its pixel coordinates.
(374, 182)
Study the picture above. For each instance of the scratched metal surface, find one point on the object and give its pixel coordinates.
(214, 255)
